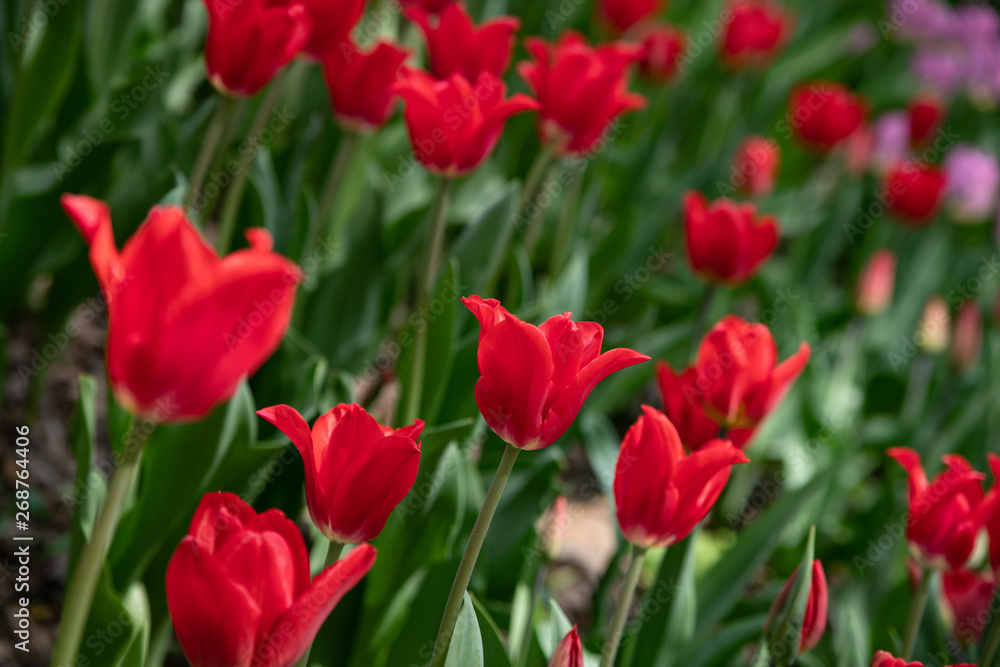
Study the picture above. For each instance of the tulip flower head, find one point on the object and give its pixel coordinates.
(876, 283)
(455, 45)
(249, 41)
(581, 89)
(238, 586)
(360, 84)
(942, 525)
(823, 113)
(569, 652)
(332, 23)
(967, 595)
(535, 379)
(914, 192)
(755, 166)
(754, 33)
(356, 470)
(621, 15)
(989, 514)
(726, 241)
(926, 113)
(167, 288)
(973, 183)
(453, 124)
(886, 659)
(663, 47)
(814, 621)
(661, 492)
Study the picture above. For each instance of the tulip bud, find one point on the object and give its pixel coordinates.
(926, 114)
(875, 285)
(824, 113)
(755, 165)
(886, 659)
(726, 241)
(968, 338)
(814, 620)
(754, 33)
(933, 330)
(967, 596)
(914, 192)
(662, 49)
(551, 528)
(569, 652)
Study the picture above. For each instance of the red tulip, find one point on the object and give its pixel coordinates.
(456, 45)
(360, 84)
(569, 652)
(989, 514)
(914, 192)
(620, 15)
(332, 22)
(238, 587)
(454, 125)
(356, 470)
(824, 113)
(429, 6)
(248, 42)
(814, 621)
(662, 493)
(754, 33)
(941, 527)
(581, 89)
(535, 379)
(738, 378)
(726, 241)
(662, 48)
(967, 342)
(926, 115)
(755, 166)
(876, 283)
(885, 659)
(967, 598)
(683, 406)
(167, 290)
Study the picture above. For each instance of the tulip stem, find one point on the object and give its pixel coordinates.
(567, 222)
(83, 582)
(350, 142)
(614, 637)
(209, 146)
(234, 196)
(433, 249)
(471, 554)
(532, 184)
(917, 613)
(991, 643)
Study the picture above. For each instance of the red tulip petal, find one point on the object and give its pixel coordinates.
(219, 516)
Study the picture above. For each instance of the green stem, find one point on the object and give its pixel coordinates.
(433, 249)
(991, 644)
(532, 186)
(234, 197)
(536, 173)
(917, 385)
(350, 142)
(471, 554)
(88, 569)
(567, 223)
(917, 613)
(217, 128)
(704, 308)
(334, 549)
(614, 638)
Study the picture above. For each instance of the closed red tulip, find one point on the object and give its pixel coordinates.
(967, 340)
(238, 587)
(683, 406)
(739, 378)
(356, 470)
(814, 620)
(661, 492)
(755, 166)
(581, 89)
(535, 379)
(454, 125)
(663, 46)
(248, 42)
(926, 115)
(967, 597)
(332, 23)
(914, 192)
(942, 525)
(727, 242)
(824, 113)
(989, 514)
(569, 652)
(885, 659)
(455, 45)
(754, 34)
(360, 84)
(876, 283)
(184, 326)
(620, 15)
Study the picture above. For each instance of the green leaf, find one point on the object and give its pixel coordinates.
(467, 643)
(494, 653)
(89, 485)
(785, 632)
(108, 31)
(118, 628)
